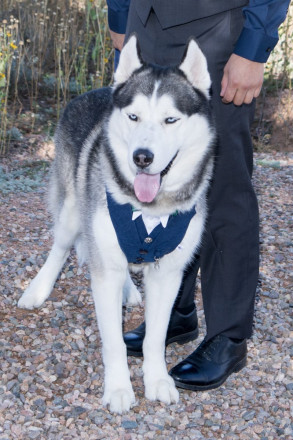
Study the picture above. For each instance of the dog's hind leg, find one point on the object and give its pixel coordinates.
(66, 230)
(130, 293)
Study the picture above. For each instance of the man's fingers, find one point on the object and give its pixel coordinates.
(224, 85)
(117, 40)
(248, 97)
(242, 80)
(229, 95)
(257, 92)
(239, 97)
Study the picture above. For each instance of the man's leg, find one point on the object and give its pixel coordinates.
(229, 257)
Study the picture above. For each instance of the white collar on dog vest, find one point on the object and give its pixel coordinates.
(151, 222)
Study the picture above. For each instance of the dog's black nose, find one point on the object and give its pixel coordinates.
(142, 157)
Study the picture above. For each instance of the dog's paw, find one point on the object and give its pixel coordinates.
(120, 400)
(32, 298)
(163, 390)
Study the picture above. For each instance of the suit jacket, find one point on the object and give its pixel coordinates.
(257, 39)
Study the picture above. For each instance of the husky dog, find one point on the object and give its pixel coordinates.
(128, 187)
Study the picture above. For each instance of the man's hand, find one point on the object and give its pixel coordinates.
(242, 80)
(117, 40)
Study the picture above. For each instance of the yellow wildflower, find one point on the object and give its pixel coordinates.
(2, 75)
(8, 34)
(13, 46)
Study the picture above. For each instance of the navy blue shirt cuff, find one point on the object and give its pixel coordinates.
(255, 45)
(117, 20)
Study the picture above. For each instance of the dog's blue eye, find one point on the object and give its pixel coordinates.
(171, 120)
(133, 117)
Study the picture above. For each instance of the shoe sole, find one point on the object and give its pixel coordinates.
(180, 339)
(241, 364)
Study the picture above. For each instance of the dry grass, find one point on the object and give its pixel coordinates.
(52, 50)
(273, 127)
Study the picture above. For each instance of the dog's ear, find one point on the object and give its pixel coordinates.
(129, 61)
(194, 66)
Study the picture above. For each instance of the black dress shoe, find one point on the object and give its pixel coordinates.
(211, 363)
(181, 329)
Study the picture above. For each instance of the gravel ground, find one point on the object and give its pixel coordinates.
(52, 375)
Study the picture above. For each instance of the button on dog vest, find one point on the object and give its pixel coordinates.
(137, 244)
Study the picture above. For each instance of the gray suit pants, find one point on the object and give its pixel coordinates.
(229, 256)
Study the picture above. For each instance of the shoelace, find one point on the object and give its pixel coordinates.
(206, 349)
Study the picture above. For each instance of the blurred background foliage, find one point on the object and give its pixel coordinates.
(52, 50)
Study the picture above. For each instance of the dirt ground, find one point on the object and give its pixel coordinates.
(51, 367)
(273, 125)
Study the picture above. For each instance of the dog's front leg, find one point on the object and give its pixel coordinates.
(161, 286)
(107, 292)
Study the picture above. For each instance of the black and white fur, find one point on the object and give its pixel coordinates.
(161, 110)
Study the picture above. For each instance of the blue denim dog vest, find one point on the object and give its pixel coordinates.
(134, 240)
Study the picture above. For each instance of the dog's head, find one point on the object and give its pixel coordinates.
(159, 128)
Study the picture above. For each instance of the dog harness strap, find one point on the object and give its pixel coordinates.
(139, 246)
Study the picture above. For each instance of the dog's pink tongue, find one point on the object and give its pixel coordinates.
(146, 186)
